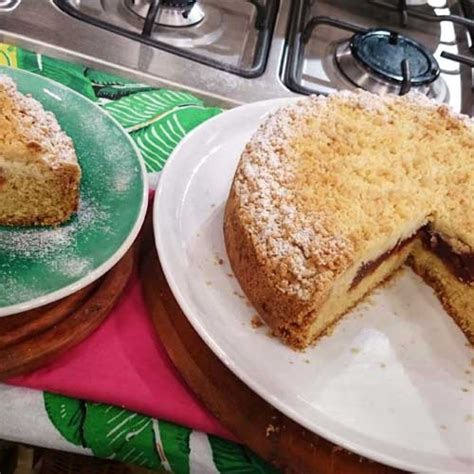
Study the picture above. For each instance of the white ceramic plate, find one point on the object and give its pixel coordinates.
(395, 380)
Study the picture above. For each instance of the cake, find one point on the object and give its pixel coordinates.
(333, 194)
(39, 172)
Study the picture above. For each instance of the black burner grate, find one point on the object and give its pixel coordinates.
(266, 12)
(405, 13)
(413, 65)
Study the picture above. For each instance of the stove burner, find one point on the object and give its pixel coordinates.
(173, 13)
(385, 61)
(383, 52)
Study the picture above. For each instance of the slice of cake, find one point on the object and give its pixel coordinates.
(39, 172)
(333, 194)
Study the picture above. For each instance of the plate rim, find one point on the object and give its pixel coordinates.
(241, 373)
(98, 272)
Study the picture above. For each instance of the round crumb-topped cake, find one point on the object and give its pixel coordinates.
(332, 194)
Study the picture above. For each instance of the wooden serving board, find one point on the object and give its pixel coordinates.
(31, 339)
(265, 430)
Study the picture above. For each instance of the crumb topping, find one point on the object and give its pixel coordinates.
(324, 176)
(26, 129)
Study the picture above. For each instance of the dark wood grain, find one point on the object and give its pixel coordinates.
(32, 339)
(17, 328)
(257, 424)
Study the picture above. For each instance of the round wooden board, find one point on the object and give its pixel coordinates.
(31, 339)
(265, 430)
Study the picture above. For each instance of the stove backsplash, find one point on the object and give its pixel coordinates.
(239, 51)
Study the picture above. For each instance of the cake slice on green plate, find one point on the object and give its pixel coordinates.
(39, 171)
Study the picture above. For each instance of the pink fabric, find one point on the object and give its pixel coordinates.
(123, 363)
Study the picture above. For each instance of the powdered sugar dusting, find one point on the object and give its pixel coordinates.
(122, 182)
(19, 292)
(38, 126)
(31, 242)
(41, 242)
(117, 173)
(72, 266)
(301, 247)
(53, 249)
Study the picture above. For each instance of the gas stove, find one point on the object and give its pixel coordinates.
(237, 51)
(172, 13)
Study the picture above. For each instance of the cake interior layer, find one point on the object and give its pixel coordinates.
(460, 264)
(369, 267)
(33, 195)
(450, 280)
(456, 296)
(343, 298)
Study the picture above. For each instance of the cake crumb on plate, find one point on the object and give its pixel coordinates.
(256, 321)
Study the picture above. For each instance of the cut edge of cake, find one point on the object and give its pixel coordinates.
(456, 297)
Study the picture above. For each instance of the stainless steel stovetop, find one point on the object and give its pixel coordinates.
(237, 51)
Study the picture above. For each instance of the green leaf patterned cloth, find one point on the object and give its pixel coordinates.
(115, 433)
(157, 120)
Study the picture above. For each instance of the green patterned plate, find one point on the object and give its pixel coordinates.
(42, 265)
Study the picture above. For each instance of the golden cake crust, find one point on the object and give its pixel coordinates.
(28, 132)
(34, 148)
(331, 182)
